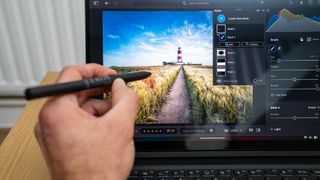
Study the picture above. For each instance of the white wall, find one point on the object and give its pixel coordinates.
(36, 36)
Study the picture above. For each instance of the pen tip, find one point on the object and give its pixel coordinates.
(148, 73)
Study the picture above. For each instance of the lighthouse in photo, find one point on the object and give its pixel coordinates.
(179, 58)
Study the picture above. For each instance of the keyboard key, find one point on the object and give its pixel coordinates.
(241, 172)
(256, 172)
(272, 172)
(273, 178)
(303, 172)
(291, 178)
(208, 172)
(147, 178)
(133, 178)
(193, 173)
(165, 173)
(149, 173)
(184, 178)
(221, 178)
(202, 178)
(256, 178)
(134, 173)
(166, 178)
(178, 173)
(227, 172)
(239, 178)
(308, 178)
(316, 172)
(287, 172)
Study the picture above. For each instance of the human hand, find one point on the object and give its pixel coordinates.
(84, 138)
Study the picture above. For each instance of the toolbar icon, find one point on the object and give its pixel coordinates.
(222, 37)
(291, 3)
(272, 48)
(221, 18)
(301, 39)
(221, 52)
(221, 28)
(184, 3)
(107, 3)
(96, 3)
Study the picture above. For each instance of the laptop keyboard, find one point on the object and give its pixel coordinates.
(226, 174)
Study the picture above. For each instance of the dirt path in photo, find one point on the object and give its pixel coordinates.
(176, 109)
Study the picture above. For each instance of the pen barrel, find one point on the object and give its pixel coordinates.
(75, 86)
(55, 89)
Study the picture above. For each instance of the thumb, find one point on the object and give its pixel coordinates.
(124, 103)
(118, 90)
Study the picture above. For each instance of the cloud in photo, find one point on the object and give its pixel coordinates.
(163, 32)
(113, 36)
(139, 26)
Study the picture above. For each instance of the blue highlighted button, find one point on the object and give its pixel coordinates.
(222, 37)
(272, 48)
(221, 18)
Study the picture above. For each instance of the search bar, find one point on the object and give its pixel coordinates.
(158, 3)
(193, 3)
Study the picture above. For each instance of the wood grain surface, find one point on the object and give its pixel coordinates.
(3, 134)
(20, 155)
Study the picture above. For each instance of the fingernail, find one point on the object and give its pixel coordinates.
(119, 83)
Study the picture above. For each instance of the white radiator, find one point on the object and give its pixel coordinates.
(37, 36)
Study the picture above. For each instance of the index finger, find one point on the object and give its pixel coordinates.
(84, 71)
(80, 72)
(124, 108)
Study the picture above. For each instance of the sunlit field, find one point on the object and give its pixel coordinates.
(151, 91)
(216, 104)
(210, 104)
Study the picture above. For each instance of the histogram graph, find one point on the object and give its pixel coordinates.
(286, 21)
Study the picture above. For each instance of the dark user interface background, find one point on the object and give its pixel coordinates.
(237, 72)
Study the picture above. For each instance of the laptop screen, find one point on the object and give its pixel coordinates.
(225, 74)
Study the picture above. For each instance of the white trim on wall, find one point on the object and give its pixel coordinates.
(10, 109)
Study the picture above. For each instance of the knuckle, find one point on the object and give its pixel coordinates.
(44, 113)
(46, 116)
(68, 68)
(94, 64)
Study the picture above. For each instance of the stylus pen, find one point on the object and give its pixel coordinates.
(75, 86)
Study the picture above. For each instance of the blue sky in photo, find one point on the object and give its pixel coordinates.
(144, 38)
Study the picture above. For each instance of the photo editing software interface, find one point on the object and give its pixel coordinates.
(221, 70)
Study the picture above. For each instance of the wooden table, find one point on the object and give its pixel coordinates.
(20, 154)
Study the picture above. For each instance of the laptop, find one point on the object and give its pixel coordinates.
(234, 92)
